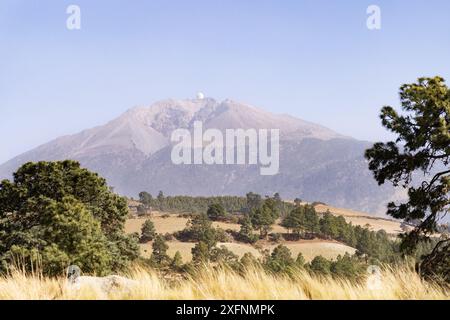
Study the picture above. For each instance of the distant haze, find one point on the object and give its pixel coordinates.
(133, 153)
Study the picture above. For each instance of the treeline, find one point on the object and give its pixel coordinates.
(189, 204)
(306, 223)
(257, 215)
(280, 260)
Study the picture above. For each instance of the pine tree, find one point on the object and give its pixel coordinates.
(246, 232)
(300, 261)
(200, 253)
(421, 146)
(328, 226)
(161, 201)
(63, 214)
(177, 262)
(280, 260)
(254, 201)
(146, 199)
(216, 212)
(262, 220)
(320, 265)
(311, 220)
(148, 231)
(295, 220)
(200, 229)
(159, 257)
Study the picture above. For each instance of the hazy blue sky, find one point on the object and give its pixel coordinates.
(312, 59)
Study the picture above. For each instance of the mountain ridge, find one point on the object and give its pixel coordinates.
(132, 152)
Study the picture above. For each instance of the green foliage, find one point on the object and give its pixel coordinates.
(199, 229)
(273, 205)
(246, 232)
(146, 199)
(347, 267)
(300, 261)
(311, 220)
(295, 220)
(187, 204)
(249, 260)
(262, 218)
(253, 201)
(216, 212)
(275, 237)
(328, 226)
(297, 202)
(161, 201)
(148, 231)
(280, 260)
(422, 145)
(221, 235)
(66, 233)
(224, 256)
(302, 219)
(177, 262)
(62, 214)
(200, 253)
(436, 265)
(320, 265)
(159, 257)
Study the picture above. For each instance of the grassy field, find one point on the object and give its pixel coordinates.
(185, 249)
(308, 248)
(224, 284)
(172, 223)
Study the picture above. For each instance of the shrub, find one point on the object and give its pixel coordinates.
(216, 212)
(168, 236)
(320, 265)
(280, 260)
(275, 237)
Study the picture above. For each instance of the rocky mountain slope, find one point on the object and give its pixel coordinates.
(133, 153)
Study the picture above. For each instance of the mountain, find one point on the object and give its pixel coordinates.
(133, 152)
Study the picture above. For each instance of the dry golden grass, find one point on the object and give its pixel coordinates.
(225, 284)
(308, 248)
(170, 224)
(312, 248)
(173, 223)
(363, 219)
(276, 228)
(185, 249)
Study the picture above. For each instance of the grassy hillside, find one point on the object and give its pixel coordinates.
(170, 223)
(374, 223)
(308, 248)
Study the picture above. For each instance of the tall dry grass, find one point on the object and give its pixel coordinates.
(221, 284)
